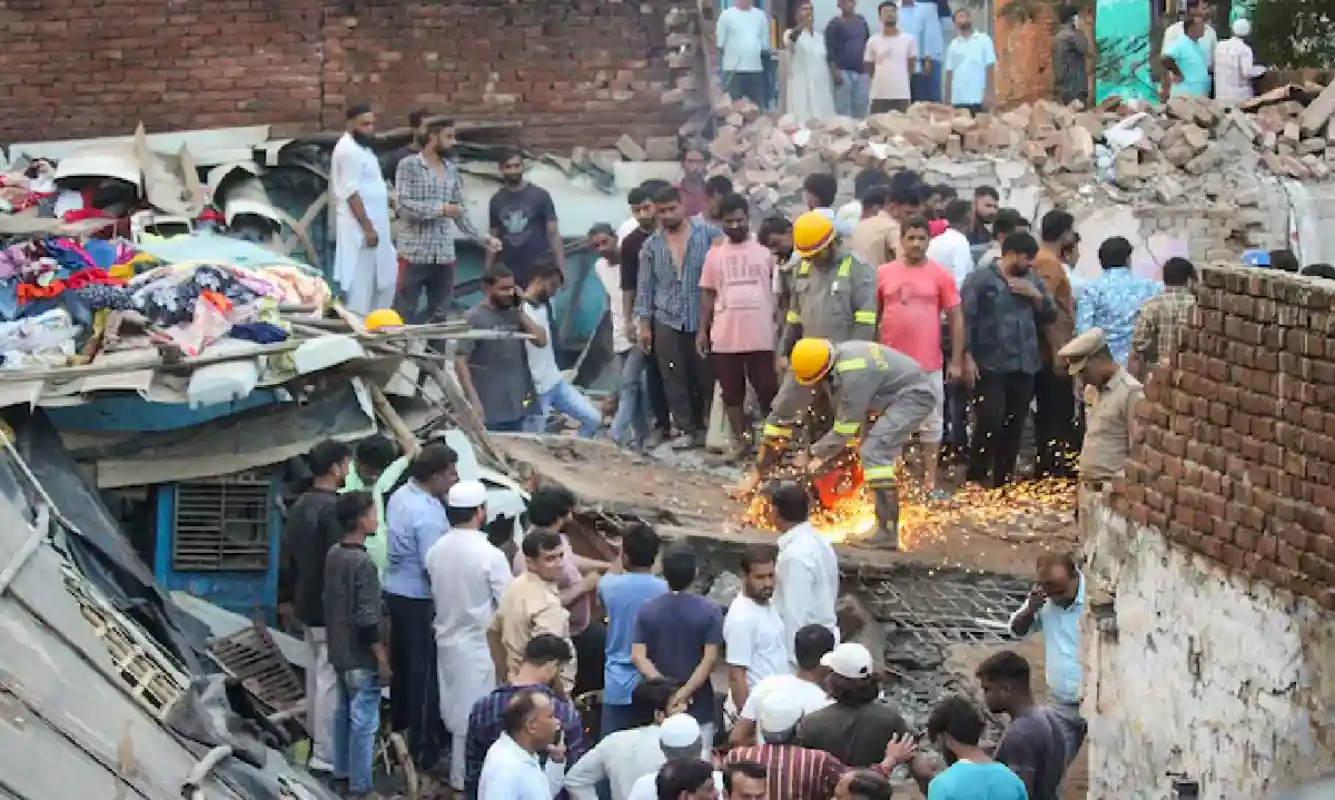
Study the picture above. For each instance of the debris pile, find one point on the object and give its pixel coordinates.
(1186, 149)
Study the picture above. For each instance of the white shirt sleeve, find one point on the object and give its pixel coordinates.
(556, 776)
(797, 578)
(749, 710)
(345, 169)
(499, 577)
(582, 780)
(738, 639)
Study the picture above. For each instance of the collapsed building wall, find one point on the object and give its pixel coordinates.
(1212, 663)
(569, 73)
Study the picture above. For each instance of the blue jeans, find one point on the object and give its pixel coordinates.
(852, 97)
(632, 400)
(356, 723)
(570, 401)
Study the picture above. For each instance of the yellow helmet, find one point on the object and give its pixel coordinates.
(383, 318)
(812, 233)
(811, 360)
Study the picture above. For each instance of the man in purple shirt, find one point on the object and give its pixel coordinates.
(845, 45)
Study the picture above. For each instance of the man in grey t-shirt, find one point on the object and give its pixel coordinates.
(494, 373)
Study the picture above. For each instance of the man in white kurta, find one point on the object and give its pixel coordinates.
(365, 264)
(468, 575)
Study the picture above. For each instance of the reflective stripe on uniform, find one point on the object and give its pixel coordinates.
(793, 317)
(846, 267)
(872, 475)
(850, 365)
(805, 268)
(847, 428)
(776, 432)
(864, 317)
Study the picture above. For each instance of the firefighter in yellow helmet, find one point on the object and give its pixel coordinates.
(832, 296)
(881, 398)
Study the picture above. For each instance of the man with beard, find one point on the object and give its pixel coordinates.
(523, 218)
(985, 202)
(432, 216)
(667, 307)
(737, 318)
(632, 235)
(1033, 745)
(494, 372)
(365, 264)
(1004, 306)
(694, 193)
(754, 637)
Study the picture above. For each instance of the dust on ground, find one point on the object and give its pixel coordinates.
(687, 495)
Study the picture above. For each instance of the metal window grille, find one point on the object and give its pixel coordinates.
(222, 524)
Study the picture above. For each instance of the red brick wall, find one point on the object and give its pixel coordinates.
(1024, 56)
(573, 72)
(1236, 451)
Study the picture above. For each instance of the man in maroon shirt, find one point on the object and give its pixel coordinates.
(694, 195)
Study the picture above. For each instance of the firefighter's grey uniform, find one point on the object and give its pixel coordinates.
(867, 382)
(837, 303)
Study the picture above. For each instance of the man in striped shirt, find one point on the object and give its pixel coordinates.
(667, 307)
(793, 772)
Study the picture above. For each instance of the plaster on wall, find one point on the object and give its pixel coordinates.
(1204, 676)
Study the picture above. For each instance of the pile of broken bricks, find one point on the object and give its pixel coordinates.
(1188, 147)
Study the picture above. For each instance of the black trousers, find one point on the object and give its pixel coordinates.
(590, 657)
(886, 106)
(957, 415)
(1055, 425)
(687, 380)
(414, 693)
(658, 404)
(1001, 403)
(436, 281)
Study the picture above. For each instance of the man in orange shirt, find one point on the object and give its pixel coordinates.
(912, 294)
(1054, 390)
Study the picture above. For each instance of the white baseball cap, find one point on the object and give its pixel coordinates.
(679, 730)
(467, 494)
(779, 712)
(850, 660)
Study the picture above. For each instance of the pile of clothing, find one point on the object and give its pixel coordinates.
(64, 301)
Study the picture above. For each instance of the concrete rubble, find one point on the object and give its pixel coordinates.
(1185, 150)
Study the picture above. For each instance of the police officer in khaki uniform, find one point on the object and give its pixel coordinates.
(1111, 395)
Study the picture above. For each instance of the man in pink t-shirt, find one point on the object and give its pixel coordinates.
(912, 293)
(737, 318)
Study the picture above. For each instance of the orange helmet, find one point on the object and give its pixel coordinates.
(812, 233)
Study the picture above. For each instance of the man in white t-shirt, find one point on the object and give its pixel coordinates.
(890, 57)
(553, 390)
(810, 644)
(951, 247)
(754, 638)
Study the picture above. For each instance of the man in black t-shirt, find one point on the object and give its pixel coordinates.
(523, 217)
(1033, 745)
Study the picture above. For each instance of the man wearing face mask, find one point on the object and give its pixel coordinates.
(432, 217)
(737, 318)
(365, 264)
(494, 373)
(523, 218)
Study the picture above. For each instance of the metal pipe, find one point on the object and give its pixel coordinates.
(190, 790)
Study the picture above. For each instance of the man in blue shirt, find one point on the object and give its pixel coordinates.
(920, 21)
(622, 595)
(415, 519)
(1054, 607)
(743, 39)
(971, 61)
(1186, 66)
(955, 728)
(1113, 301)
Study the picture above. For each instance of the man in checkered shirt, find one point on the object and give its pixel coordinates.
(1162, 317)
(431, 216)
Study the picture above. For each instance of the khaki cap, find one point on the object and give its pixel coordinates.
(1079, 349)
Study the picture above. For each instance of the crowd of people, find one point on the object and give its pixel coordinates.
(492, 656)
